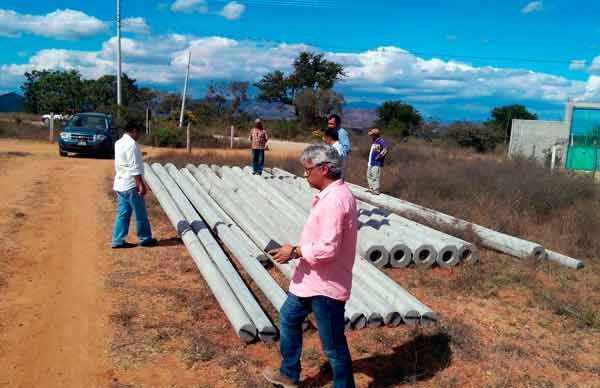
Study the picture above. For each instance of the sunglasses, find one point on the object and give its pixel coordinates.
(308, 170)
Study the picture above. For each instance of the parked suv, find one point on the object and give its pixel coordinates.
(88, 133)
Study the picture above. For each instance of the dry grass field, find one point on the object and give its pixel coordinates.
(75, 313)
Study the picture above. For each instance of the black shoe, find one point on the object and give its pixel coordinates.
(124, 245)
(149, 243)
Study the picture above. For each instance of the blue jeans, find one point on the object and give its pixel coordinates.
(329, 314)
(258, 160)
(131, 202)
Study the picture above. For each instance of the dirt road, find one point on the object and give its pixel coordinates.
(53, 309)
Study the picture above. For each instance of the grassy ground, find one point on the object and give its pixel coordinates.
(504, 322)
(22, 126)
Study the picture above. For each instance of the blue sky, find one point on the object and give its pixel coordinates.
(451, 59)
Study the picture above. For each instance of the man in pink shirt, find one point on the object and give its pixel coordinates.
(322, 280)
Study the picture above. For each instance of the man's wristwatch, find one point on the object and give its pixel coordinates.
(294, 254)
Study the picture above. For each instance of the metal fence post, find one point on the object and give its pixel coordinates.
(51, 135)
(595, 160)
(188, 140)
(231, 130)
(553, 158)
(147, 123)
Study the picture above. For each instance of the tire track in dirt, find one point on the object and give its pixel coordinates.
(54, 309)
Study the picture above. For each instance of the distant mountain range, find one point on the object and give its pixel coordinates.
(358, 114)
(11, 102)
(355, 115)
(359, 118)
(360, 105)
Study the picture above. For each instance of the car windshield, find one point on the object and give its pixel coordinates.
(95, 122)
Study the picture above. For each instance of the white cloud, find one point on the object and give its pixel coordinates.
(136, 26)
(534, 6)
(396, 72)
(595, 66)
(190, 6)
(374, 75)
(577, 64)
(65, 24)
(232, 10)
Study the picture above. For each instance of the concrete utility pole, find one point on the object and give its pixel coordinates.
(185, 86)
(119, 52)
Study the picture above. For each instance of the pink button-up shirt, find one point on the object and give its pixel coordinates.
(328, 245)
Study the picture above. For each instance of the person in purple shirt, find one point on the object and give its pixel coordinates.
(376, 160)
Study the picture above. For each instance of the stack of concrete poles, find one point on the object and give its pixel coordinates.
(489, 238)
(266, 331)
(400, 240)
(378, 246)
(282, 218)
(225, 296)
(253, 217)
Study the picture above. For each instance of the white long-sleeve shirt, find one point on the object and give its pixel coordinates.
(342, 152)
(128, 163)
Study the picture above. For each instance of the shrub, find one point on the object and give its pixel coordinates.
(172, 137)
(479, 137)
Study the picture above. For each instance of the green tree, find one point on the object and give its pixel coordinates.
(216, 97)
(313, 106)
(313, 71)
(481, 138)
(53, 91)
(397, 117)
(238, 90)
(63, 91)
(168, 102)
(308, 87)
(501, 117)
(202, 114)
(274, 87)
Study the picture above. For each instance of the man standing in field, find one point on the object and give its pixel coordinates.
(322, 279)
(130, 189)
(376, 159)
(331, 138)
(258, 138)
(334, 121)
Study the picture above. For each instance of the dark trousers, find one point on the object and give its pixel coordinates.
(329, 314)
(258, 160)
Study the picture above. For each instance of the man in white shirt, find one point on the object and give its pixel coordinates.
(130, 189)
(331, 138)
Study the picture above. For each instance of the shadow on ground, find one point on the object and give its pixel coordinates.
(169, 242)
(419, 359)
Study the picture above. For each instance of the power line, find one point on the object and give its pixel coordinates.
(325, 46)
(354, 50)
(291, 3)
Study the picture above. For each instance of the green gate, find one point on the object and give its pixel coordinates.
(584, 140)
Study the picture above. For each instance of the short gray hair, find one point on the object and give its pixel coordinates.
(320, 154)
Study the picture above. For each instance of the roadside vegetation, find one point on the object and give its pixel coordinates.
(504, 322)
